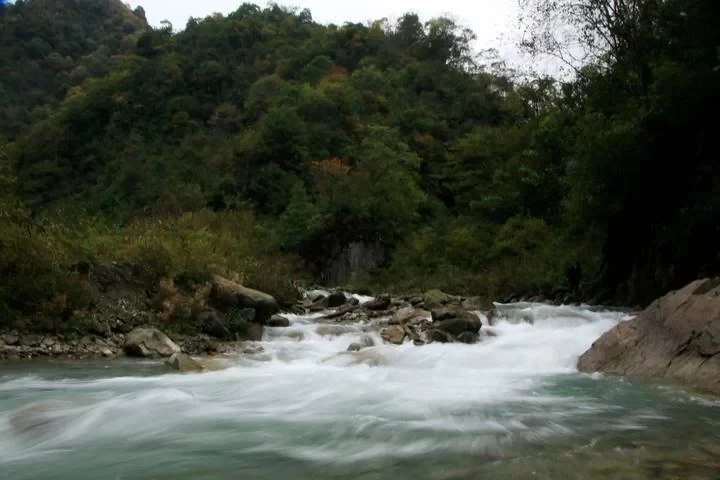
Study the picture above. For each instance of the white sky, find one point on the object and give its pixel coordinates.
(493, 21)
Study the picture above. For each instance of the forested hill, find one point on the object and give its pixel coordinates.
(49, 46)
(391, 136)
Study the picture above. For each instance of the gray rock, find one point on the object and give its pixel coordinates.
(278, 321)
(149, 342)
(456, 326)
(468, 337)
(11, 339)
(354, 347)
(381, 302)
(214, 325)
(440, 336)
(107, 352)
(677, 338)
(30, 340)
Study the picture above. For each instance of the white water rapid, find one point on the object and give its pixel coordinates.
(511, 406)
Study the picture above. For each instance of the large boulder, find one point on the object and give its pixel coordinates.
(677, 337)
(149, 342)
(228, 295)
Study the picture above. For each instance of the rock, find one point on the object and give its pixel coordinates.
(677, 338)
(149, 342)
(278, 321)
(382, 302)
(354, 347)
(107, 352)
(477, 303)
(30, 340)
(214, 325)
(468, 337)
(436, 296)
(336, 299)
(414, 301)
(353, 301)
(410, 315)
(183, 363)
(394, 334)
(456, 326)
(11, 339)
(450, 312)
(229, 295)
(440, 336)
(254, 333)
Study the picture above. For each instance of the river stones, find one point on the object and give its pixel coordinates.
(149, 342)
(436, 296)
(394, 334)
(410, 315)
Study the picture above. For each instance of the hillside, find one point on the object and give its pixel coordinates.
(381, 155)
(49, 47)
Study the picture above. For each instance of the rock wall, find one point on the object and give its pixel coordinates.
(347, 264)
(677, 337)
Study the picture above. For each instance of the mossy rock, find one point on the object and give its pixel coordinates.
(436, 296)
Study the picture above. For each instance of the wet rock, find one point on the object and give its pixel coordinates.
(336, 299)
(149, 342)
(440, 336)
(394, 334)
(254, 332)
(353, 301)
(468, 337)
(183, 363)
(227, 295)
(456, 326)
(278, 321)
(677, 337)
(354, 347)
(410, 315)
(382, 302)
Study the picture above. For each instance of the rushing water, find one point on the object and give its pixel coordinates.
(512, 406)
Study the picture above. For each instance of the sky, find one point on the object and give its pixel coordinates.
(495, 22)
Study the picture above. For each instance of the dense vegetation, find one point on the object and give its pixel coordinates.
(263, 136)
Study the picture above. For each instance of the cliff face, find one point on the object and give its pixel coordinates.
(677, 337)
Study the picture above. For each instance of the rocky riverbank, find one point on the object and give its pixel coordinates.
(676, 338)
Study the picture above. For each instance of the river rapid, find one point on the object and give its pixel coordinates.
(511, 406)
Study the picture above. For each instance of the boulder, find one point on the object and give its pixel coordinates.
(214, 325)
(11, 339)
(451, 312)
(440, 336)
(394, 334)
(676, 338)
(278, 321)
(352, 301)
(456, 326)
(436, 296)
(354, 347)
(336, 299)
(468, 337)
(410, 315)
(183, 363)
(382, 302)
(149, 342)
(228, 295)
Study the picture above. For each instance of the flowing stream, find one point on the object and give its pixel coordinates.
(511, 406)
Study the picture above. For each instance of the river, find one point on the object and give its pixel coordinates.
(511, 406)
